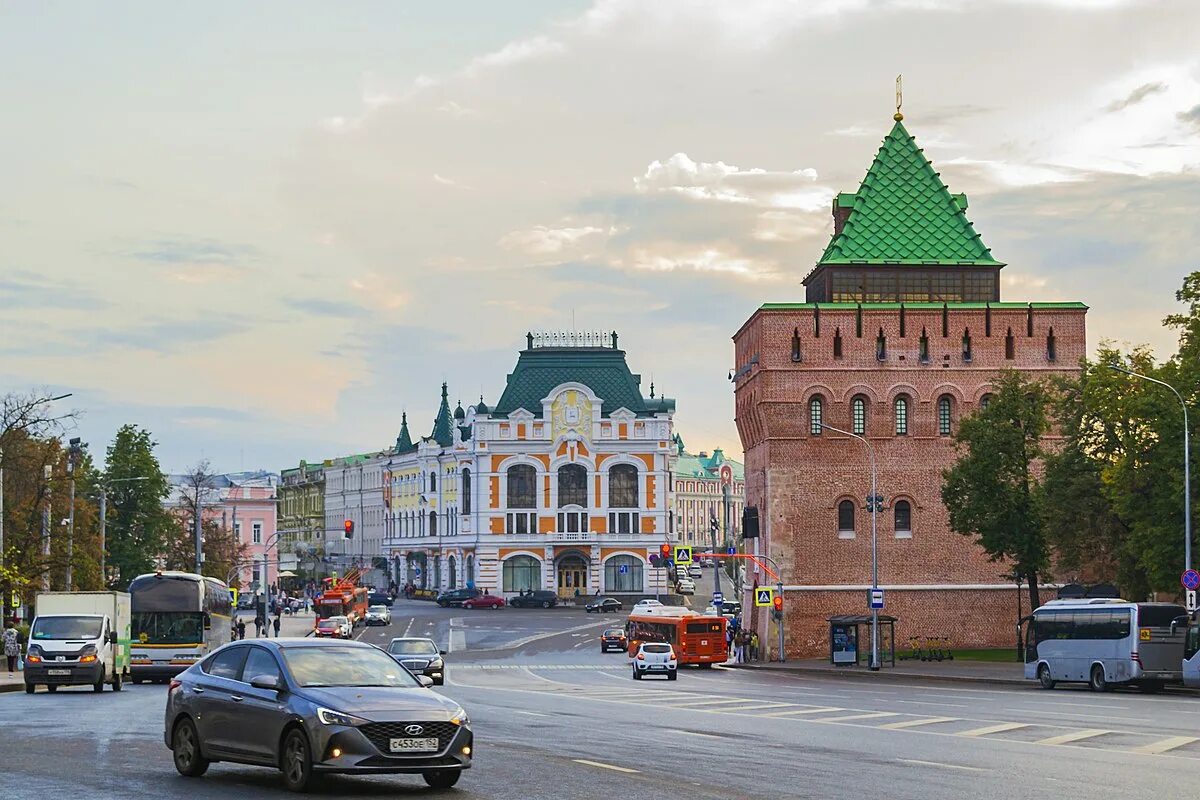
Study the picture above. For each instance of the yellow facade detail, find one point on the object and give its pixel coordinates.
(596, 524)
(497, 525)
(546, 524)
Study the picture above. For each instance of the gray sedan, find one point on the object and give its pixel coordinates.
(310, 706)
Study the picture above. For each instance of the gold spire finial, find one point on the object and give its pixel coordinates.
(899, 98)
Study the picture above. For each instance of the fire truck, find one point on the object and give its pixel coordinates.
(343, 597)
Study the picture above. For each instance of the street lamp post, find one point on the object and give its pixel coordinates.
(1187, 458)
(873, 505)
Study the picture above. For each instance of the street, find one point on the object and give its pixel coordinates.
(555, 718)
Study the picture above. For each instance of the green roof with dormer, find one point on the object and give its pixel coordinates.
(903, 214)
(602, 369)
(707, 466)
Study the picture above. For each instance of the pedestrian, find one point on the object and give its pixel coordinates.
(241, 628)
(729, 641)
(754, 645)
(12, 645)
(258, 626)
(232, 631)
(275, 625)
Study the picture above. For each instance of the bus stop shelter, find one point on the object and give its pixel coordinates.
(844, 639)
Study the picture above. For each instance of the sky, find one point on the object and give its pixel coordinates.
(262, 231)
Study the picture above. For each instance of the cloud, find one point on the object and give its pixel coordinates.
(24, 289)
(725, 183)
(706, 260)
(541, 240)
(1136, 96)
(321, 307)
(193, 251)
(518, 52)
(164, 335)
(1190, 117)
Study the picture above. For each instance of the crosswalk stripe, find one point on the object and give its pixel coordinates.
(912, 723)
(798, 711)
(1000, 728)
(1073, 736)
(871, 715)
(755, 706)
(1165, 745)
(693, 703)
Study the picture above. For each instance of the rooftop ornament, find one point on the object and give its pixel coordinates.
(537, 340)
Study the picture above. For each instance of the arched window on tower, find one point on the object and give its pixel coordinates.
(902, 511)
(923, 347)
(796, 355)
(966, 345)
(881, 346)
(837, 342)
(846, 519)
(816, 408)
(902, 415)
(944, 409)
(1010, 346)
(1051, 346)
(858, 415)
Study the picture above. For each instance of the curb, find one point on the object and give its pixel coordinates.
(892, 676)
(12, 687)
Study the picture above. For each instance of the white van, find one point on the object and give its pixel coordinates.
(79, 639)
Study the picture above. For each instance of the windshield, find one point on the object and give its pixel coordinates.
(345, 666)
(66, 628)
(614, 632)
(168, 627)
(412, 647)
(331, 622)
(649, 603)
(656, 648)
(378, 609)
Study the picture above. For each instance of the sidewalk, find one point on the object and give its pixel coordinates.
(965, 671)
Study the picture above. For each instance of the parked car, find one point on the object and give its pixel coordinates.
(356, 713)
(685, 585)
(419, 656)
(455, 597)
(484, 601)
(332, 628)
(655, 658)
(380, 599)
(646, 606)
(378, 615)
(538, 598)
(604, 606)
(615, 639)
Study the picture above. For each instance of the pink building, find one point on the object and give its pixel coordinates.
(249, 508)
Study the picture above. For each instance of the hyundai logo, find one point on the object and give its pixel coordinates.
(414, 730)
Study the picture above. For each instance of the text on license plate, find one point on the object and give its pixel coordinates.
(419, 745)
(58, 672)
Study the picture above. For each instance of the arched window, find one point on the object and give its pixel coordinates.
(623, 486)
(837, 342)
(432, 482)
(1051, 346)
(966, 345)
(466, 491)
(623, 574)
(923, 347)
(881, 346)
(522, 573)
(572, 485)
(433, 523)
(522, 492)
(985, 401)
(846, 519)
(816, 407)
(902, 415)
(796, 354)
(858, 415)
(902, 511)
(1010, 346)
(944, 408)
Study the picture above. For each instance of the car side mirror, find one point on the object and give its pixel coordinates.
(441, 652)
(266, 682)
(425, 680)
(112, 637)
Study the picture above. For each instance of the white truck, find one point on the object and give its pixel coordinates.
(79, 638)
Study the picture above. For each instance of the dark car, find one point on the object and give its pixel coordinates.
(420, 657)
(379, 599)
(604, 606)
(307, 707)
(535, 599)
(455, 597)
(613, 638)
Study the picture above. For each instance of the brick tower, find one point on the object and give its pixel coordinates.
(902, 334)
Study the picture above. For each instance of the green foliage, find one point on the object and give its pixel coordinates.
(137, 524)
(992, 492)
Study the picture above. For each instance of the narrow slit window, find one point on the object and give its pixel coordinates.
(837, 342)
(858, 414)
(815, 415)
(881, 346)
(902, 416)
(966, 345)
(944, 410)
(1051, 346)
(923, 347)
(1010, 345)
(796, 355)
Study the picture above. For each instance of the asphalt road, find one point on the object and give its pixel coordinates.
(554, 718)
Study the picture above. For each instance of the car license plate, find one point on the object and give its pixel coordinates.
(58, 672)
(417, 745)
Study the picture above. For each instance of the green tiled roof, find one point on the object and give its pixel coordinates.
(693, 466)
(443, 426)
(903, 214)
(404, 442)
(601, 369)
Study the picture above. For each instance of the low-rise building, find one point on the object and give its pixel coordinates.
(700, 497)
(301, 514)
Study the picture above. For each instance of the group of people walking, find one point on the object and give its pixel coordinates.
(743, 644)
(260, 624)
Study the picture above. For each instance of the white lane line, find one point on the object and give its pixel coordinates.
(408, 628)
(602, 765)
(692, 703)
(1106, 717)
(785, 714)
(1164, 745)
(1000, 728)
(931, 703)
(696, 733)
(532, 713)
(1085, 705)
(939, 764)
(1073, 736)
(870, 715)
(913, 723)
(753, 707)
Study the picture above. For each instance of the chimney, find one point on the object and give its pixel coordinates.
(841, 210)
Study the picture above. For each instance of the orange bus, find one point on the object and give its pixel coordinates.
(697, 639)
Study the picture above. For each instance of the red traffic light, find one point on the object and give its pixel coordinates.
(664, 550)
(349, 527)
(778, 602)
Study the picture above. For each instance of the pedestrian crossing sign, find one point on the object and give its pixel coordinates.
(683, 555)
(233, 596)
(764, 596)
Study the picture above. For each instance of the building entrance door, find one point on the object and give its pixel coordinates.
(572, 575)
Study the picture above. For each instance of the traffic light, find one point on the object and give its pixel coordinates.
(777, 611)
(750, 522)
(664, 551)
(349, 527)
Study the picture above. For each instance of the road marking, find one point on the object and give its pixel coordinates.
(1000, 728)
(691, 703)
(1085, 705)
(533, 713)
(931, 703)
(1074, 736)
(1107, 717)
(754, 706)
(602, 765)
(697, 733)
(457, 642)
(1164, 745)
(870, 715)
(825, 710)
(913, 723)
(941, 765)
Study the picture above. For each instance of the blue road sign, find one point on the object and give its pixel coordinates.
(1190, 580)
(732, 551)
(417, 571)
(718, 598)
(876, 598)
(623, 568)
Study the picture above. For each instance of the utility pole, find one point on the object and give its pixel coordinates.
(197, 523)
(103, 536)
(72, 458)
(3, 600)
(47, 474)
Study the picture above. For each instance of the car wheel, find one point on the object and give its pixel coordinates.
(51, 688)
(98, 686)
(441, 778)
(295, 762)
(1044, 678)
(185, 747)
(440, 681)
(672, 676)
(545, 604)
(116, 682)
(1098, 682)
(637, 676)
(29, 688)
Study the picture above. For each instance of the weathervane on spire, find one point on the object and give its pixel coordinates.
(899, 97)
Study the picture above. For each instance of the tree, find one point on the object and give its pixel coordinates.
(137, 522)
(223, 552)
(992, 492)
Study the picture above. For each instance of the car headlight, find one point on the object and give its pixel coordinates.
(460, 717)
(330, 717)
(436, 664)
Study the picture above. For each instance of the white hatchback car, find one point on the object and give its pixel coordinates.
(685, 586)
(655, 658)
(646, 606)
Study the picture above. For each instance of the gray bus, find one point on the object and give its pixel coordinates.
(1104, 643)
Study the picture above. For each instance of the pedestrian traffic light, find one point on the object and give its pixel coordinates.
(349, 526)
